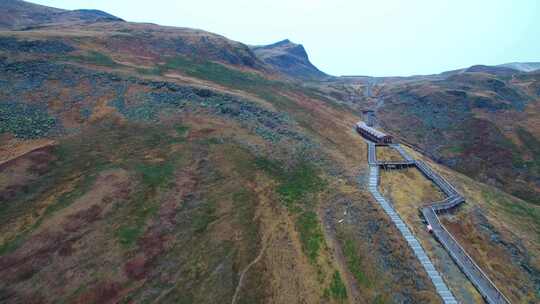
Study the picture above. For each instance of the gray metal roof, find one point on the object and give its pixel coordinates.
(370, 130)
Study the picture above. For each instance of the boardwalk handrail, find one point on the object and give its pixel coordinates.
(438, 282)
(471, 260)
(438, 179)
(395, 162)
(474, 273)
(448, 203)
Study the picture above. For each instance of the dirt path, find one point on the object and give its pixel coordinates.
(243, 273)
(15, 149)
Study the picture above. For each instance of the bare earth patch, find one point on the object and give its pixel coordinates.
(13, 148)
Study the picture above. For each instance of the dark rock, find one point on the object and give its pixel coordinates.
(11, 44)
(288, 58)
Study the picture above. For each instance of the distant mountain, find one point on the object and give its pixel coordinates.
(495, 70)
(289, 58)
(522, 66)
(19, 14)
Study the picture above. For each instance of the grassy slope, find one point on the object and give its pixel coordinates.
(207, 187)
(388, 154)
(168, 197)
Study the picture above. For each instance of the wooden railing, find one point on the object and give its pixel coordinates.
(474, 273)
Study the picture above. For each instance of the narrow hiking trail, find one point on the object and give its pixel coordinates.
(243, 273)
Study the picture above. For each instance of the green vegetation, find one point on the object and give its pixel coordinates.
(12, 245)
(25, 120)
(250, 82)
(295, 184)
(379, 299)
(310, 234)
(144, 206)
(516, 209)
(296, 189)
(181, 130)
(532, 144)
(530, 147)
(298, 183)
(455, 149)
(140, 210)
(181, 133)
(149, 71)
(337, 289)
(354, 262)
(215, 72)
(107, 145)
(155, 174)
(273, 168)
(204, 216)
(68, 198)
(94, 57)
(246, 81)
(63, 201)
(128, 235)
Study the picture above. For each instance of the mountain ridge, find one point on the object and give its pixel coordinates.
(19, 14)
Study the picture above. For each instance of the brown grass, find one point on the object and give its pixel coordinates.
(501, 212)
(409, 189)
(385, 153)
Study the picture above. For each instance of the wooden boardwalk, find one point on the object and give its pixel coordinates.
(443, 290)
(474, 273)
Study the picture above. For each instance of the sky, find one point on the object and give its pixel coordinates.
(357, 37)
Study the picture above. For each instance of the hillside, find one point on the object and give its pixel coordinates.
(482, 122)
(143, 163)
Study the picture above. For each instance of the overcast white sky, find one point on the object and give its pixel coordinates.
(345, 37)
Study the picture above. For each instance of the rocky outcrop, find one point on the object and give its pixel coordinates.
(288, 58)
(11, 44)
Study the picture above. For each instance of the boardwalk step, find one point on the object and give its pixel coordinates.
(440, 286)
(475, 274)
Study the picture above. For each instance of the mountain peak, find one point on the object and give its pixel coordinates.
(282, 42)
(18, 14)
(289, 58)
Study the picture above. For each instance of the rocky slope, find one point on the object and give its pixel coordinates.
(288, 58)
(482, 122)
